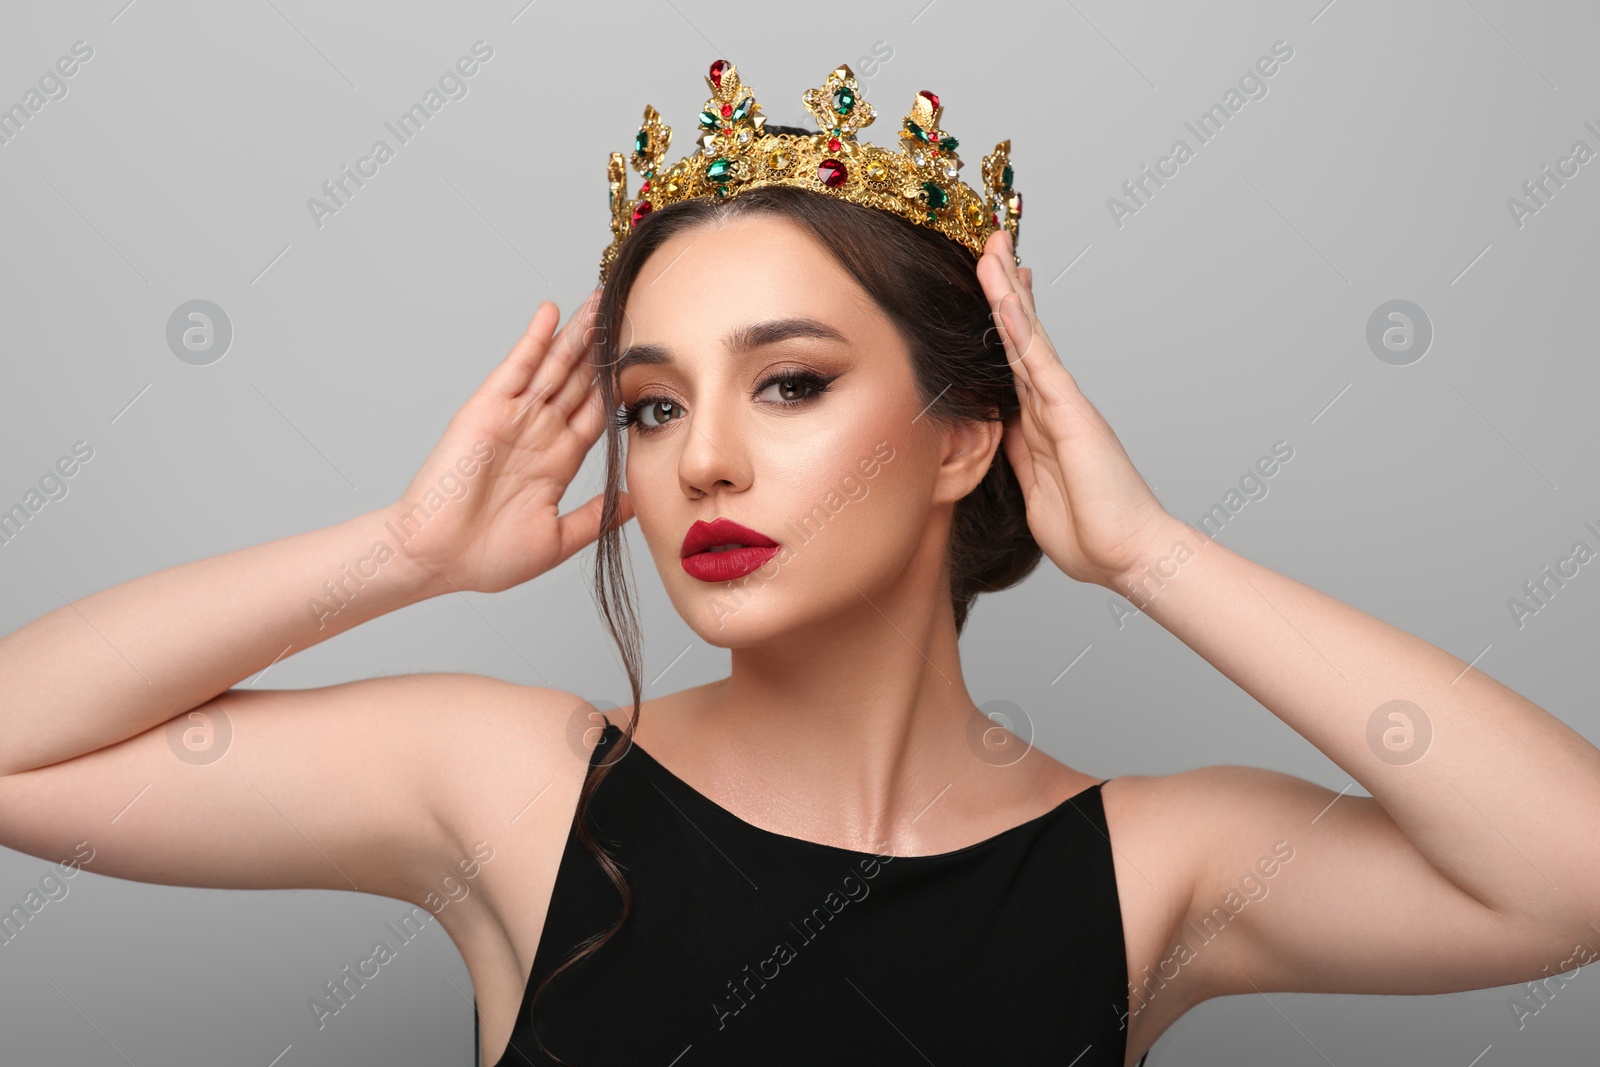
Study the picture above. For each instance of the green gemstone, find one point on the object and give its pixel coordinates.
(936, 195)
(641, 143)
(916, 131)
(722, 190)
(719, 169)
(843, 100)
(708, 120)
(743, 109)
(948, 144)
(1005, 178)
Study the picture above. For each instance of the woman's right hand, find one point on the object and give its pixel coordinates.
(523, 435)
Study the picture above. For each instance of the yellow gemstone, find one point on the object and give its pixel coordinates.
(974, 213)
(876, 171)
(778, 159)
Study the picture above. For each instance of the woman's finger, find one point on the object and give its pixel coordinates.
(1007, 252)
(511, 376)
(581, 381)
(588, 419)
(996, 286)
(553, 370)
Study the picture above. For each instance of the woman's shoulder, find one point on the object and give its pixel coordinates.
(513, 743)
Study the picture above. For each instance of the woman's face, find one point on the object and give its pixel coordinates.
(747, 407)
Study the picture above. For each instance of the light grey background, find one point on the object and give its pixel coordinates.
(1230, 312)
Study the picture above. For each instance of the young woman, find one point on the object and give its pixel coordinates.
(830, 855)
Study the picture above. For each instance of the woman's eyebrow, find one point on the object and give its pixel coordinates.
(744, 338)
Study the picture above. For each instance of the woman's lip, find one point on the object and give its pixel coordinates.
(726, 566)
(705, 535)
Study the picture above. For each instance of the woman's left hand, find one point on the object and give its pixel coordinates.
(1088, 507)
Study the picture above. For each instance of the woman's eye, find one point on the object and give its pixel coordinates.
(791, 389)
(663, 410)
(794, 388)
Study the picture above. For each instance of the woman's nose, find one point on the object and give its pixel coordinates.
(713, 455)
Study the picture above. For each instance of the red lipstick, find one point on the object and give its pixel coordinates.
(706, 554)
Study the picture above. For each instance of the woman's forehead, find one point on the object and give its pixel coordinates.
(713, 285)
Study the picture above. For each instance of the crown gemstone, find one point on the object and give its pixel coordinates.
(921, 182)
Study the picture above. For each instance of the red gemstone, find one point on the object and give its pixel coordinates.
(641, 211)
(645, 188)
(932, 99)
(727, 109)
(995, 219)
(1018, 212)
(716, 72)
(933, 135)
(832, 173)
(833, 144)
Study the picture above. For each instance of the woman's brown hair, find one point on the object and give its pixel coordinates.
(928, 287)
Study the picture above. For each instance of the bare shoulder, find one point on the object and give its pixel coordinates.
(516, 761)
(1253, 880)
(1171, 835)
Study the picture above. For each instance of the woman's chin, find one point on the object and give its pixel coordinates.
(733, 618)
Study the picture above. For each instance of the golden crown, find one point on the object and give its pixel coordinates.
(918, 181)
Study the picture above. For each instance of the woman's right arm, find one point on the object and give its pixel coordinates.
(104, 668)
(118, 727)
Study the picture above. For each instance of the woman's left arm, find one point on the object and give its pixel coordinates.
(1476, 860)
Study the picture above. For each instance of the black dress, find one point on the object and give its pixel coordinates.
(750, 947)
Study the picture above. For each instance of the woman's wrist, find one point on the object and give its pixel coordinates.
(392, 532)
(1169, 543)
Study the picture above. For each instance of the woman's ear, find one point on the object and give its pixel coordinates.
(968, 451)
